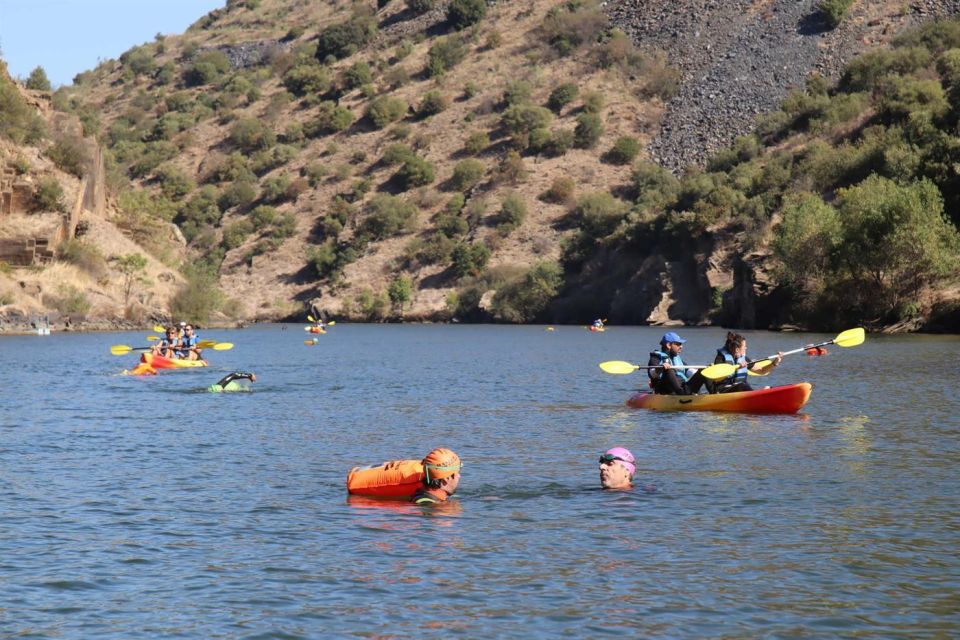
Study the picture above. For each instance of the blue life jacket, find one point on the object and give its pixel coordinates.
(740, 375)
(675, 361)
(186, 343)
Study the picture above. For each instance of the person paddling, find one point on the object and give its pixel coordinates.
(671, 377)
(734, 352)
(189, 349)
(168, 344)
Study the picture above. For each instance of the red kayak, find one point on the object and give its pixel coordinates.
(786, 399)
(159, 362)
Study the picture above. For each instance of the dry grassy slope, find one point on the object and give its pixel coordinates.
(268, 285)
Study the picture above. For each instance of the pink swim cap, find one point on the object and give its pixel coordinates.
(624, 456)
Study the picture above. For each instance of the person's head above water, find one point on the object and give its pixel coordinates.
(617, 467)
(441, 470)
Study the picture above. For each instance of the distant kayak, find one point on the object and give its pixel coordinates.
(159, 362)
(316, 329)
(598, 329)
(786, 399)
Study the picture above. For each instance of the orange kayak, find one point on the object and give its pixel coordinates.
(786, 399)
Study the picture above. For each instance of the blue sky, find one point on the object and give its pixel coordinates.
(66, 37)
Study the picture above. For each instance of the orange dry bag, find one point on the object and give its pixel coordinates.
(400, 480)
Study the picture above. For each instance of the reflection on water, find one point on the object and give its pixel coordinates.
(146, 508)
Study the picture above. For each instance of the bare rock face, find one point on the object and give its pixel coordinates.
(740, 58)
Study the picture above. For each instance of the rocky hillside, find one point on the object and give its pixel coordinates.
(450, 158)
(63, 260)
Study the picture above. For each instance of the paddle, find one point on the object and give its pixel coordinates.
(152, 338)
(848, 338)
(121, 349)
(159, 329)
(620, 367)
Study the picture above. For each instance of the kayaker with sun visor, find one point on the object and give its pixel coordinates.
(672, 377)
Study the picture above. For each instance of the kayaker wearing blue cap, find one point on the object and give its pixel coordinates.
(672, 378)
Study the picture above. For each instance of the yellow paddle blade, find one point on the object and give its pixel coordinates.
(850, 337)
(719, 371)
(331, 323)
(152, 338)
(311, 319)
(223, 346)
(751, 372)
(760, 364)
(206, 344)
(120, 349)
(306, 328)
(618, 367)
(159, 329)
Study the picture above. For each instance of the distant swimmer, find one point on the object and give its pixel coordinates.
(236, 381)
(617, 468)
(427, 481)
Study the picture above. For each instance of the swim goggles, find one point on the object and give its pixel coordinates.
(607, 458)
(437, 467)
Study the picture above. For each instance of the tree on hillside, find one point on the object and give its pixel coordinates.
(132, 267)
(400, 292)
(38, 80)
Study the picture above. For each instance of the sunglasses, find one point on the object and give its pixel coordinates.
(608, 458)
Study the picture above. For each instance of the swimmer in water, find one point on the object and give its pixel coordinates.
(617, 468)
(236, 381)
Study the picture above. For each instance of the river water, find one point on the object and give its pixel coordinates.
(146, 508)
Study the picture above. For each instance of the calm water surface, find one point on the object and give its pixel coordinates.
(146, 508)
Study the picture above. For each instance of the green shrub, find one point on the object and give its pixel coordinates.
(346, 38)
(284, 226)
(864, 72)
(470, 89)
(397, 154)
(207, 68)
(251, 134)
(198, 212)
(525, 118)
(451, 225)
(386, 109)
(307, 79)
(445, 54)
(560, 191)
(421, 6)
(624, 150)
(199, 298)
(572, 25)
(599, 213)
(236, 233)
(593, 102)
(262, 216)
(331, 118)
(72, 301)
(263, 161)
(239, 193)
(466, 174)
(232, 168)
(523, 299)
(555, 143)
(561, 96)
(513, 210)
(38, 80)
(21, 165)
(469, 258)
(49, 195)
(174, 183)
(433, 103)
(371, 306)
(85, 256)
(19, 122)
(517, 92)
(415, 172)
(476, 143)
(512, 169)
(357, 75)
(274, 189)
(834, 11)
(387, 216)
(464, 13)
(744, 149)
(69, 154)
(588, 131)
(139, 61)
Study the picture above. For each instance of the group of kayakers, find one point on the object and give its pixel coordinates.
(178, 342)
(670, 375)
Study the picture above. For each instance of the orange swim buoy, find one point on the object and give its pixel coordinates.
(398, 479)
